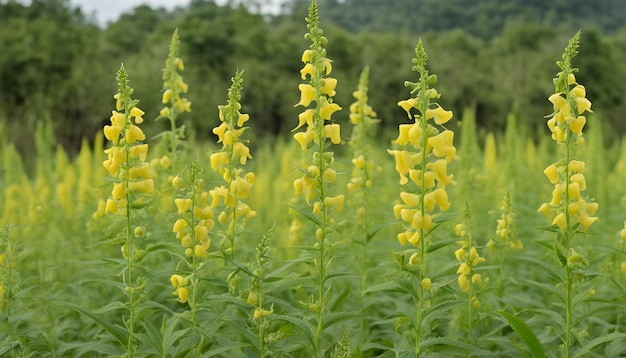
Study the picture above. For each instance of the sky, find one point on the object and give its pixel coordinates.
(110, 10)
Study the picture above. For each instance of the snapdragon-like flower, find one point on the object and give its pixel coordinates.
(422, 157)
(229, 161)
(505, 229)
(174, 89)
(126, 158)
(568, 209)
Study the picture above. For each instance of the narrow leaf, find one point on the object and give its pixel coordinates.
(116, 331)
(301, 324)
(596, 342)
(524, 333)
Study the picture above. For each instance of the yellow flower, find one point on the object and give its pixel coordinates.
(443, 145)
(439, 114)
(552, 173)
(332, 131)
(328, 86)
(328, 109)
(183, 205)
(307, 95)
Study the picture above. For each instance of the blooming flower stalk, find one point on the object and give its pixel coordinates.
(569, 210)
(362, 117)
(132, 186)
(425, 148)
(313, 180)
(192, 228)
(174, 103)
(469, 258)
(230, 197)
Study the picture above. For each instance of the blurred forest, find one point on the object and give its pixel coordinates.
(494, 56)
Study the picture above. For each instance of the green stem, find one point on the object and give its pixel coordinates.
(129, 257)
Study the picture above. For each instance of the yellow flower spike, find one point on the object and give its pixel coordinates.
(327, 111)
(328, 86)
(307, 95)
(439, 114)
(552, 173)
(332, 131)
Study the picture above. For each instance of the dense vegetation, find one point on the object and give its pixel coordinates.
(418, 235)
(55, 61)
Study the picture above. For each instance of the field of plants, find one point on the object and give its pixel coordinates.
(436, 239)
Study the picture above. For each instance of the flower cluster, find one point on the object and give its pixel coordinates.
(180, 284)
(319, 127)
(229, 160)
(126, 158)
(505, 228)
(571, 209)
(173, 89)
(362, 117)
(195, 216)
(423, 157)
(469, 258)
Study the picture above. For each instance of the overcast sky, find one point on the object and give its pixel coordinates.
(110, 10)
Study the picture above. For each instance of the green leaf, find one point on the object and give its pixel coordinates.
(524, 333)
(596, 342)
(222, 349)
(305, 327)
(120, 333)
(435, 341)
(442, 307)
(548, 288)
(560, 255)
(379, 227)
(440, 244)
(314, 219)
(335, 318)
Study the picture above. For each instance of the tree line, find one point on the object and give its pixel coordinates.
(58, 65)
